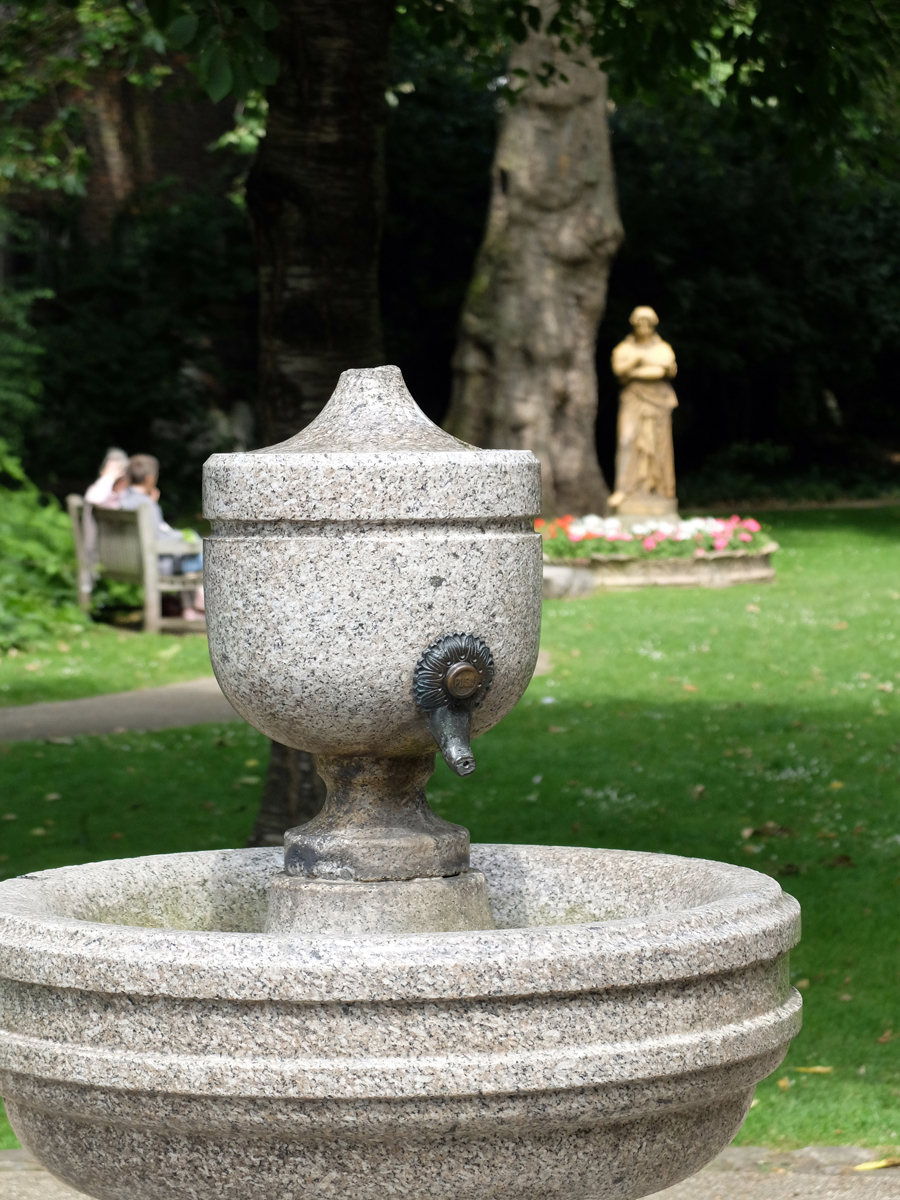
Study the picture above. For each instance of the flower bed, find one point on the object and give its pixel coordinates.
(594, 538)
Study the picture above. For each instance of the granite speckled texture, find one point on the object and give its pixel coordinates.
(603, 1041)
(337, 557)
(432, 905)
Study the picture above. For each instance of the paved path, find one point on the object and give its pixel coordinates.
(746, 1173)
(197, 702)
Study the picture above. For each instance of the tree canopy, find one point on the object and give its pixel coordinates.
(814, 70)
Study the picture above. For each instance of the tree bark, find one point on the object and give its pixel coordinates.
(524, 370)
(293, 794)
(108, 135)
(316, 199)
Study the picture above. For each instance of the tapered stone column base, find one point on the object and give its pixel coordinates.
(324, 907)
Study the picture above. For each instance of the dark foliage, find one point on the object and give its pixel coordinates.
(440, 145)
(781, 298)
(149, 343)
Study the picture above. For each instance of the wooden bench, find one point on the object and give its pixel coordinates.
(111, 544)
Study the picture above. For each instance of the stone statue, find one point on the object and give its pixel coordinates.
(645, 458)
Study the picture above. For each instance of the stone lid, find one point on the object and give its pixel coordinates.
(371, 455)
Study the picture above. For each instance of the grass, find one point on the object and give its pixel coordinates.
(679, 721)
(97, 660)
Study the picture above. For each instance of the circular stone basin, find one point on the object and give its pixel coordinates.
(603, 1041)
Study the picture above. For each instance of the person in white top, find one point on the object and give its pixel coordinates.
(104, 492)
(142, 476)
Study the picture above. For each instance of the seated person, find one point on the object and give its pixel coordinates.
(143, 472)
(104, 492)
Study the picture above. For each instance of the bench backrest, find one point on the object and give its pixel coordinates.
(119, 551)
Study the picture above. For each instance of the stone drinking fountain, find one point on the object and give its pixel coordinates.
(383, 1010)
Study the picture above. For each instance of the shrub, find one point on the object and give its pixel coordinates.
(37, 560)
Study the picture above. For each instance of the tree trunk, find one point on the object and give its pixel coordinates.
(108, 136)
(524, 371)
(316, 198)
(293, 794)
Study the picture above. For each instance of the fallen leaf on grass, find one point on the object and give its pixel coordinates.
(838, 626)
(877, 1164)
(248, 779)
(747, 832)
(252, 762)
(10, 816)
(885, 687)
(753, 608)
(53, 796)
(698, 791)
(813, 1070)
(840, 860)
(784, 1083)
(845, 996)
(886, 1037)
(802, 983)
(825, 833)
(772, 829)
(116, 837)
(38, 832)
(689, 687)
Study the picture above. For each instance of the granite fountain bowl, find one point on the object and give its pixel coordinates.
(336, 557)
(602, 1041)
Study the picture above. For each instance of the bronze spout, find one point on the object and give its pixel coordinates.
(451, 728)
(451, 679)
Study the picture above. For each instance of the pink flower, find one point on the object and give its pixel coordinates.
(699, 552)
(721, 542)
(649, 543)
(751, 524)
(574, 537)
(746, 537)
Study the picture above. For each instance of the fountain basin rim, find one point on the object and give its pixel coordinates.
(751, 920)
(333, 1077)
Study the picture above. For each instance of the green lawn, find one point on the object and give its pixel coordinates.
(756, 725)
(99, 659)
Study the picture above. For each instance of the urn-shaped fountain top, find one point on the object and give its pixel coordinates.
(339, 557)
(371, 455)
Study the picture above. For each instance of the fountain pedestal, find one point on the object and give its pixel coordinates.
(384, 1010)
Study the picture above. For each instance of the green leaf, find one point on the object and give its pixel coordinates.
(265, 66)
(161, 12)
(262, 13)
(219, 75)
(182, 30)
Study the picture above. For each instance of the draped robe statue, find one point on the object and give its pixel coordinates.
(645, 458)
